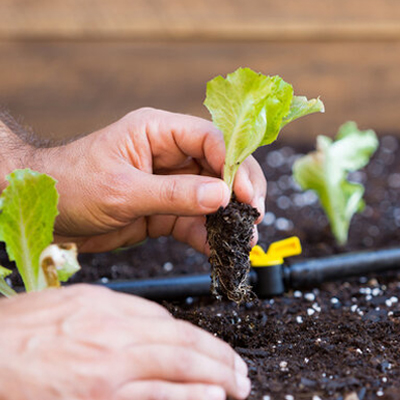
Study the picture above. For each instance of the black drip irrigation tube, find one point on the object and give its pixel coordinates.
(271, 280)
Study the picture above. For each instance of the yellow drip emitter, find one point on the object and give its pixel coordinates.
(269, 266)
(276, 253)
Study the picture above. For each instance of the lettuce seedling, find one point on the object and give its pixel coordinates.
(325, 171)
(250, 109)
(28, 208)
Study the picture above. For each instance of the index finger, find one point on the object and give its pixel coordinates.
(174, 137)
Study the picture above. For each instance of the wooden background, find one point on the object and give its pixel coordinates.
(72, 66)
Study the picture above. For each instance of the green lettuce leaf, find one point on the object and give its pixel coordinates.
(250, 109)
(4, 272)
(325, 172)
(5, 290)
(301, 106)
(28, 211)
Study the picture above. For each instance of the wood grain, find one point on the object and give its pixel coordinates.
(284, 20)
(63, 89)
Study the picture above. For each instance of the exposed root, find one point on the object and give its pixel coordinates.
(229, 232)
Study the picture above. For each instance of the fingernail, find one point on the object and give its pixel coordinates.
(212, 195)
(240, 365)
(243, 385)
(261, 205)
(215, 393)
(254, 239)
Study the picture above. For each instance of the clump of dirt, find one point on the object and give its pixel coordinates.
(229, 232)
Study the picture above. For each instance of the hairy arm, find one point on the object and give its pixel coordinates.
(13, 149)
(20, 147)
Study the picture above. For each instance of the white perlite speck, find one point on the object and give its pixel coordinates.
(299, 319)
(365, 290)
(309, 297)
(310, 311)
(379, 393)
(168, 266)
(376, 292)
(283, 365)
(297, 294)
(315, 397)
(316, 307)
(289, 397)
(266, 397)
(334, 300)
(388, 303)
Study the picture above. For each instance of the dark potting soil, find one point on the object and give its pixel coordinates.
(338, 341)
(229, 232)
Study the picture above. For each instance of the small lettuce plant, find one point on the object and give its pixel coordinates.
(28, 208)
(250, 109)
(325, 171)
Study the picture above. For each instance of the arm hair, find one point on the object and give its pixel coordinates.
(9, 125)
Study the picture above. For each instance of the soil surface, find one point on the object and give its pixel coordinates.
(337, 341)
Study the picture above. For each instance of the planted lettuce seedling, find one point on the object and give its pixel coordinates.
(325, 172)
(28, 208)
(250, 109)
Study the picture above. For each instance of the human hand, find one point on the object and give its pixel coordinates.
(152, 173)
(89, 343)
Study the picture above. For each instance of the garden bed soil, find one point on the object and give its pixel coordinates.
(338, 341)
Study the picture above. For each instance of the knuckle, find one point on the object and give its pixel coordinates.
(170, 191)
(146, 110)
(87, 293)
(140, 112)
(161, 311)
(187, 333)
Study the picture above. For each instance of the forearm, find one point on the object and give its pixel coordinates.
(19, 148)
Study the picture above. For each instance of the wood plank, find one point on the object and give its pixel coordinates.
(208, 19)
(69, 88)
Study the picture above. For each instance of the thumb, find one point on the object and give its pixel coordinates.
(179, 195)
